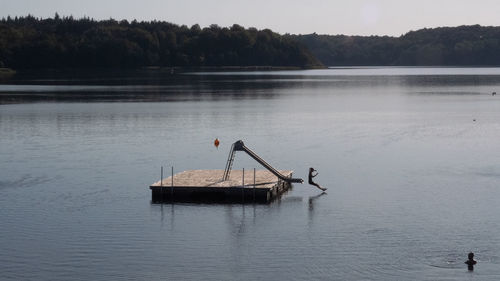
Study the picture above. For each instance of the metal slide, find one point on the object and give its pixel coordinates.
(240, 146)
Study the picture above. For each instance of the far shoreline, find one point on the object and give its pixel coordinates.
(7, 74)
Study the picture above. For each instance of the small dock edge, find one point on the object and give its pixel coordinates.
(207, 186)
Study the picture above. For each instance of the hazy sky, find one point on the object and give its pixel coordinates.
(352, 17)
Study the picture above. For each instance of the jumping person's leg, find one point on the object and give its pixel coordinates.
(317, 185)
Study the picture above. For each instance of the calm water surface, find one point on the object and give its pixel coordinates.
(413, 181)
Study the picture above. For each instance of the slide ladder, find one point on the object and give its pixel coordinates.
(229, 164)
(240, 146)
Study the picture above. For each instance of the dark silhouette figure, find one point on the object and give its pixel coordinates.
(311, 176)
(494, 93)
(470, 262)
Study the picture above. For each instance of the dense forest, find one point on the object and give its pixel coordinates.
(29, 42)
(62, 42)
(447, 46)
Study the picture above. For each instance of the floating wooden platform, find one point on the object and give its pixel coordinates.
(207, 186)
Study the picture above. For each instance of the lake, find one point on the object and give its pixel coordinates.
(410, 157)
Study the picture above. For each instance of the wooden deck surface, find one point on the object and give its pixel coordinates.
(213, 178)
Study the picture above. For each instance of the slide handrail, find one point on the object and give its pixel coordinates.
(240, 146)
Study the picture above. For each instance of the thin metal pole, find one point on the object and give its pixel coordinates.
(243, 180)
(254, 185)
(243, 189)
(172, 186)
(161, 184)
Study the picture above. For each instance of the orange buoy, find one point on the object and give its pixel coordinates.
(216, 143)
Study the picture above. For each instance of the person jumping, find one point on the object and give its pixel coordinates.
(311, 176)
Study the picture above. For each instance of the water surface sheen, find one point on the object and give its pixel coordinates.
(410, 156)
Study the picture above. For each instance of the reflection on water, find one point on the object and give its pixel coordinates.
(413, 180)
(311, 203)
(313, 198)
(156, 85)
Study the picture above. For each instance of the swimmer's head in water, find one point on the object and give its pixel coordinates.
(471, 256)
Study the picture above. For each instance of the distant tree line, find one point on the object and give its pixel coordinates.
(447, 46)
(29, 42)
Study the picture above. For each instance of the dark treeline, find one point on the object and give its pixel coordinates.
(29, 42)
(452, 46)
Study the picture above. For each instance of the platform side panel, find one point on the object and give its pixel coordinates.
(222, 195)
